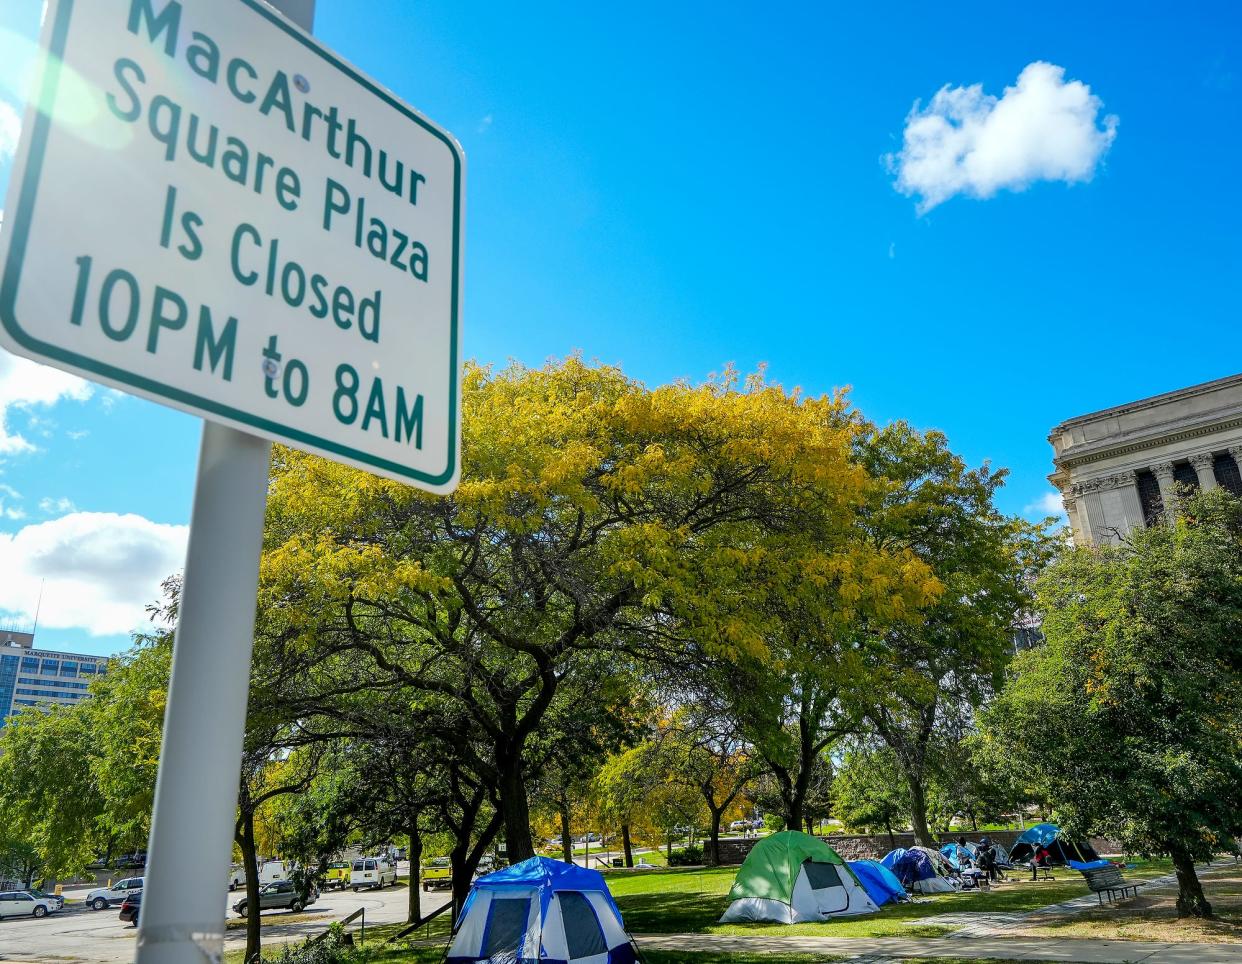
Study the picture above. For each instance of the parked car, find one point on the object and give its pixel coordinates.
(237, 876)
(22, 903)
(131, 907)
(372, 872)
(132, 861)
(337, 875)
(104, 897)
(59, 898)
(437, 873)
(282, 894)
(740, 825)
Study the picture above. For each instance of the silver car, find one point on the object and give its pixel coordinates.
(281, 894)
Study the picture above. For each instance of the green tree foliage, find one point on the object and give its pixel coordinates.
(919, 682)
(78, 781)
(868, 796)
(1131, 715)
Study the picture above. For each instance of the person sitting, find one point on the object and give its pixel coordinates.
(1039, 860)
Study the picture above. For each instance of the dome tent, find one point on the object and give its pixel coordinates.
(1049, 836)
(879, 882)
(792, 878)
(917, 871)
(953, 853)
(541, 910)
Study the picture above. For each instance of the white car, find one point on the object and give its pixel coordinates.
(19, 903)
(371, 872)
(105, 897)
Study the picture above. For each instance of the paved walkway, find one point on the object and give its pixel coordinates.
(1013, 949)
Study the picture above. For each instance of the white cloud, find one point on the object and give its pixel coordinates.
(24, 384)
(1047, 504)
(967, 142)
(56, 506)
(485, 123)
(101, 570)
(10, 130)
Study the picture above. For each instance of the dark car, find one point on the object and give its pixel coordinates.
(131, 908)
(132, 861)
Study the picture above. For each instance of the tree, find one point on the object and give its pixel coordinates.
(1131, 714)
(920, 681)
(867, 795)
(593, 516)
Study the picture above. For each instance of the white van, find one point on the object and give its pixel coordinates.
(271, 871)
(237, 876)
(372, 872)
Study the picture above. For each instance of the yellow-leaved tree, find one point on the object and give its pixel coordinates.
(594, 516)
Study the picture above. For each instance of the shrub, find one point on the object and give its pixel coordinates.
(335, 948)
(773, 823)
(686, 856)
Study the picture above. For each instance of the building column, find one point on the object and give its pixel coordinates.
(1168, 487)
(1131, 504)
(1203, 468)
(1071, 513)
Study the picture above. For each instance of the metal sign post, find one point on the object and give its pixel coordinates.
(191, 841)
(211, 210)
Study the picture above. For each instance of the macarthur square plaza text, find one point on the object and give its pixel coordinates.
(244, 229)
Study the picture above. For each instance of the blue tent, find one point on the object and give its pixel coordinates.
(881, 884)
(915, 870)
(953, 854)
(1049, 836)
(541, 910)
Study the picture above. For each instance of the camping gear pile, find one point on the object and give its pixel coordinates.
(792, 878)
(541, 910)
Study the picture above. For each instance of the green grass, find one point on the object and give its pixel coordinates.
(692, 901)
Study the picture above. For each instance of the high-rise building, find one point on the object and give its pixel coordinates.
(1121, 468)
(32, 677)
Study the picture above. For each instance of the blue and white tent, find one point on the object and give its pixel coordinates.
(880, 883)
(541, 911)
(953, 853)
(918, 871)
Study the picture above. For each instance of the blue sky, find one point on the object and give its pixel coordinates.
(672, 187)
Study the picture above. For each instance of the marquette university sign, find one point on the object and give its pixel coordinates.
(211, 210)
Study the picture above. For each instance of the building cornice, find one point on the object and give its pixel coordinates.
(1154, 401)
(1159, 435)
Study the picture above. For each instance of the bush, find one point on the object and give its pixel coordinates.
(686, 856)
(773, 823)
(335, 948)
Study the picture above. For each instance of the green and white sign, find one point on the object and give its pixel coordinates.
(211, 210)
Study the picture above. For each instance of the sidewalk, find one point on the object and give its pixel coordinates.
(1077, 951)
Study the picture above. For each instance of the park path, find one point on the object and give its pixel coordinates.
(876, 949)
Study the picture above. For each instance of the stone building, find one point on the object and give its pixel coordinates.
(1117, 469)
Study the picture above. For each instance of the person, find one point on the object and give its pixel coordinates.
(1039, 859)
(987, 859)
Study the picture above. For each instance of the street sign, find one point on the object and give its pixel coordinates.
(213, 211)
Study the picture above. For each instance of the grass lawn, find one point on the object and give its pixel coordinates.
(692, 900)
(1152, 916)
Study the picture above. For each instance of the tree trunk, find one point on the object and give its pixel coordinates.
(415, 911)
(713, 850)
(625, 842)
(515, 809)
(245, 840)
(567, 841)
(892, 840)
(668, 848)
(1190, 899)
(918, 813)
(974, 822)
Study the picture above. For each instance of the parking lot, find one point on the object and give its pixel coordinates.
(80, 934)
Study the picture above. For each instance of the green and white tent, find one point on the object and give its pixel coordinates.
(792, 878)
